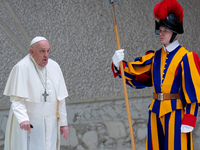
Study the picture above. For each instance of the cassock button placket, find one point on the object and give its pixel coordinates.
(164, 69)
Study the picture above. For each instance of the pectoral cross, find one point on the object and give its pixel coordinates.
(45, 95)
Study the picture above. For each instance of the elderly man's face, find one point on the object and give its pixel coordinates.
(40, 52)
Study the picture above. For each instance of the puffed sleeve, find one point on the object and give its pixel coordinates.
(190, 66)
(191, 77)
(137, 73)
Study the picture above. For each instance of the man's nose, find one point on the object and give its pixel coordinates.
(46, 54)
(161, 33)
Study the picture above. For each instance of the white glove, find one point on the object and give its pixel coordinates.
(186, 128)
(117, 57)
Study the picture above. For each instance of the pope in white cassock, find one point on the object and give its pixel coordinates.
(37, 93)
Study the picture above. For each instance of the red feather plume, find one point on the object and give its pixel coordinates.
(162, 9)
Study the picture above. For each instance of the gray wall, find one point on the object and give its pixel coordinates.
(82, 41)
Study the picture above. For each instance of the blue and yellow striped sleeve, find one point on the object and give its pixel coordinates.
(138, 73)
(190, 87)
(191, 77)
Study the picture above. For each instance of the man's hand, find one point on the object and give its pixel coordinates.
(25, 125)
(64, 130)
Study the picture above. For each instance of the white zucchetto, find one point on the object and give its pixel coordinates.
(37, 39)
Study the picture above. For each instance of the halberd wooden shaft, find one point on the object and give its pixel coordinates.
(124, 83)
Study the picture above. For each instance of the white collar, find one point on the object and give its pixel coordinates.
(172, 46)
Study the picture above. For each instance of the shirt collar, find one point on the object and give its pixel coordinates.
(172, 46)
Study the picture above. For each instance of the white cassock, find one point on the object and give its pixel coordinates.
(25, 86)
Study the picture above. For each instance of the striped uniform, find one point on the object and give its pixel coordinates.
(174, 72)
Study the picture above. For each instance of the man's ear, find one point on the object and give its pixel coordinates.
(31, 51)
(176, 36)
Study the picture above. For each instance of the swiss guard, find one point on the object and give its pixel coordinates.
(174, 74)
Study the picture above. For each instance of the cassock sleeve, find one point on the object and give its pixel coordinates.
(63, 113)
(137, 73)
(19, 109)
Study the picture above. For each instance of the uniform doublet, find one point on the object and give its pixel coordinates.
(176, 72)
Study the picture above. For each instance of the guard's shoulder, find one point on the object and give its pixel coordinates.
(191, 55)
(149, 52)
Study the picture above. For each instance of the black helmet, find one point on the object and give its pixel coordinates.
(171, 22)
(169, 14)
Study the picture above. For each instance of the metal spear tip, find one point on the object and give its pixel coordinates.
(106, 2)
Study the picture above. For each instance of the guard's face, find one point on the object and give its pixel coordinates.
(40, 52)
(165, 36)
